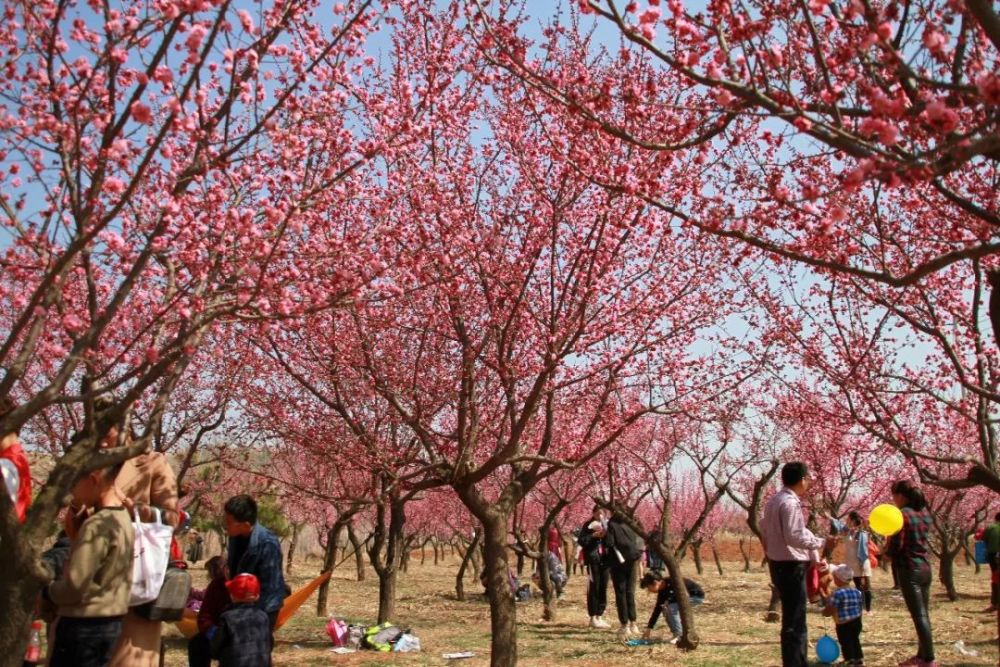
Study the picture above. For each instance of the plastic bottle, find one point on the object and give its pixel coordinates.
(33, 655)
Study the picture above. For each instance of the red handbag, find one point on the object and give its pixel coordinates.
(812, 582)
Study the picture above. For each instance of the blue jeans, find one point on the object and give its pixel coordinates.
(673, 614)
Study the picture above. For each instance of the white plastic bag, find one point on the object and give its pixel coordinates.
(407, 644)
(150, 558)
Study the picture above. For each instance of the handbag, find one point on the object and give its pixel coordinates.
(172, 599)
(149, 559)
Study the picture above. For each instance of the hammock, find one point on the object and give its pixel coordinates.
(188, 625)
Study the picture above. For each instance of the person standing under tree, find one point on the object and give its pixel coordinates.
(790, 547)
(991, 538)
(146, 483)
(92, 592)
(856, 553)
(592, 547)
(253, 549)
(909, 550)
(623, 552)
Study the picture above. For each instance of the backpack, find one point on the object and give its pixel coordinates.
(173, 596)
(337, 630)
(626, 541)
(381, 637)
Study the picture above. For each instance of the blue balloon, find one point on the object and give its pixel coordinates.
(827, 649)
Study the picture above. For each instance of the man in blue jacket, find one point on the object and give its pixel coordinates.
(253, 549)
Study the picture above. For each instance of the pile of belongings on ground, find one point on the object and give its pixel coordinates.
(381, 637)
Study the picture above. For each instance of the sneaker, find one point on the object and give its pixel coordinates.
(624, 634)
(595, 621)
(675, 639)
(634, 629)
(601, 623)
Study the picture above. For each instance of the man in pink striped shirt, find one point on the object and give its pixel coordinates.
(789, 547)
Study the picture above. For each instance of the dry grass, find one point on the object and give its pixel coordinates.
(731, 624)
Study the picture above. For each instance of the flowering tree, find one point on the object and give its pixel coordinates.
(857, 138)
(164, 165)
(813, 106)
(550, 317)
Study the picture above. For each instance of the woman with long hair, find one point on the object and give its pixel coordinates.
(910, 553)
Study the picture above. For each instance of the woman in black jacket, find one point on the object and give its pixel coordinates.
(623, 549)
(591, 540)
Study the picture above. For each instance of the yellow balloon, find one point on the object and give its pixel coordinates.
(886, 520)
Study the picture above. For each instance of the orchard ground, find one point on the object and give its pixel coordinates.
(731, 623)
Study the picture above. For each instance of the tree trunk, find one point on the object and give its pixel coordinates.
(388, 563)
(549, 593)
(946, 572)
(718, 561)
(359, 552)
(329, 562)
(503, 612)
(696, 552)
(296, 528)
(689, 636)
(774, 606)
(470, 551)
(477, 560)
(745, 552)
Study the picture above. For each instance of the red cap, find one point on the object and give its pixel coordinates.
(243, 587)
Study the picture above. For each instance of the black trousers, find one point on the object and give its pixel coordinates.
(789, 577)
(199, 651)
(849, 636)
(85, 642)
(624, 585)
(864, 585)
(915, 585)
(597, 589)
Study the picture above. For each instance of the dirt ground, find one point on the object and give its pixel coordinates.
(730, 623)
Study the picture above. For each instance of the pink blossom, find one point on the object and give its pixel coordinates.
(651, 15)
(114, 185)
(940, 117)
(246, 21)
(73, 323)
(887, 133)
(724, 97)
(818, 6)
(934, 40)
(988, 86)
(141, 113)
(163, 75)
(152, 355)
(193, 41)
